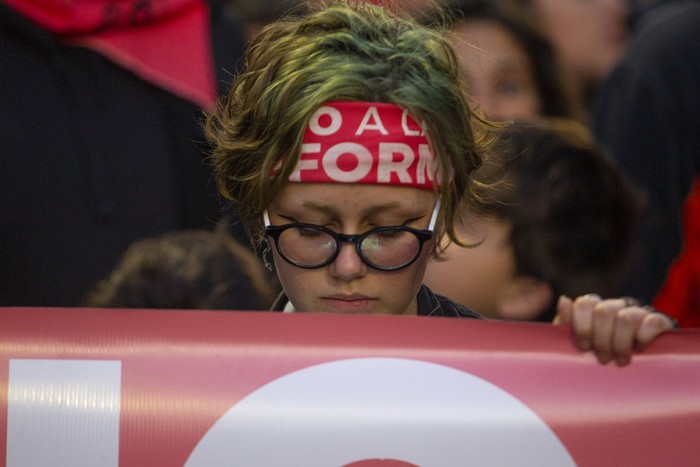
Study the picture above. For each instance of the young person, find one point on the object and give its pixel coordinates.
(350, 148)
(560, 220)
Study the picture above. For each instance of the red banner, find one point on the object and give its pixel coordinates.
(205, 388)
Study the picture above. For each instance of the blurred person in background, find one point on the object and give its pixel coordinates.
(100, 134)
(186, 269)
(510, 68)
(588, 38)
(511, 73)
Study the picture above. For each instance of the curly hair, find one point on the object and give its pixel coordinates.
(344, 51)
(186, 269)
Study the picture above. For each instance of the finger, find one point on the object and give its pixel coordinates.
(625, 336)
(604, 322)
(631, 301)
(564, 310)
(651, 326)
(582, 320)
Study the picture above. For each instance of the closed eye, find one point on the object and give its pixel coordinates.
(390, 233)
(308, 232)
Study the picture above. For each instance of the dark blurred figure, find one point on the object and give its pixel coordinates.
(100, 135)
(638, 8)
(647, 116)
(196, 269)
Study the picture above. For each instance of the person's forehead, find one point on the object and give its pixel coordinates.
(346, 196)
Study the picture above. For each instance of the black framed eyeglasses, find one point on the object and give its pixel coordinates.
(311, 246)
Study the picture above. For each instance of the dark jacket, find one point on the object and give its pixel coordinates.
(646, 117)
(92, 158)
(429, 304)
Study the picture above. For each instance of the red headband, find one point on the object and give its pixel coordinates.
(366, 143)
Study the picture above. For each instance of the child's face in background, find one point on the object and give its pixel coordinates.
(477, 277)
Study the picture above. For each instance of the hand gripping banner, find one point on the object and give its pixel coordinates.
(86, 387)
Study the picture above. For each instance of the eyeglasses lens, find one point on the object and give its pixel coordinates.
(386, 249)
(390, 248)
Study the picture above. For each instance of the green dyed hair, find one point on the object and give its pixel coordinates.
(344, 51)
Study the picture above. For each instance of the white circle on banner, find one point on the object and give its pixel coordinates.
(336, 121)
(362, 410)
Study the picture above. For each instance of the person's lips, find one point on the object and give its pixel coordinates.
(354, 303)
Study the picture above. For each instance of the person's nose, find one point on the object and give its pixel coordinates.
(348, 265)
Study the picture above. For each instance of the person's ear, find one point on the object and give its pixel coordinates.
(524, 299)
